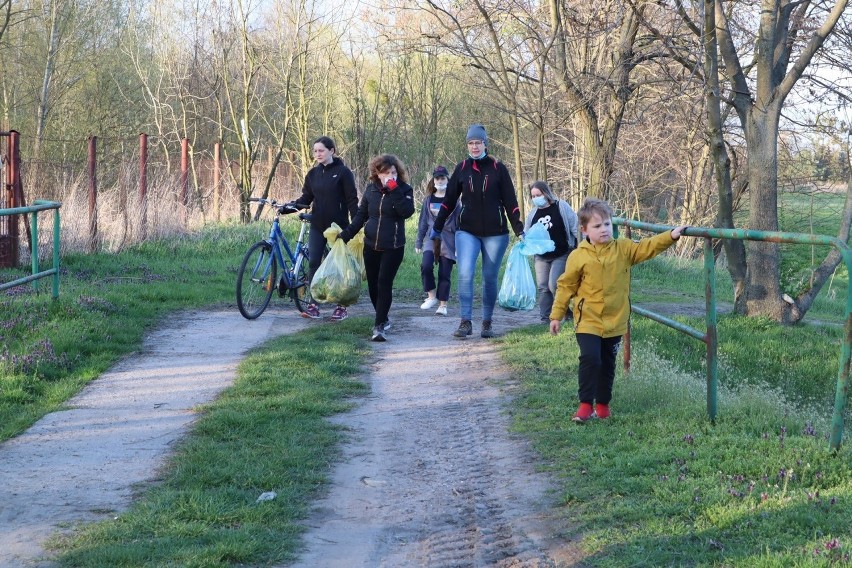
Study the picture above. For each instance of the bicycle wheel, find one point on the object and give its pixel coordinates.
(256, 280)
(301, 292)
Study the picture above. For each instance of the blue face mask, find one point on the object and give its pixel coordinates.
(540, 201)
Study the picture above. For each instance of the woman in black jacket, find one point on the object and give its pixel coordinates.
(330, 188)
(387, 202)
(484, 187)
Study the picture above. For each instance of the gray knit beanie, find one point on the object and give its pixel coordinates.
(477, 132)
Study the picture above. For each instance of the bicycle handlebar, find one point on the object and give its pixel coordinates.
(289, 207)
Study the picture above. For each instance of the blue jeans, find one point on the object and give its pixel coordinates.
(468, 248)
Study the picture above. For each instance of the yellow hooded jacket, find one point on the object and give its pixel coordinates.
(597, 277)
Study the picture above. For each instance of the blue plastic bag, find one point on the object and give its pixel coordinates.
(517, 292)
(536, 241)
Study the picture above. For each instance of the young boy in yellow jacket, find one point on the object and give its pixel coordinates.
(597, 278)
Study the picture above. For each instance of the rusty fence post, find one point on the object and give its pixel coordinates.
(10, 239)
(143, 186)
(93, 194)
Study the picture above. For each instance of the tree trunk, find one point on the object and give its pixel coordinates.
(763, 294)
(519, 171)
(734, 249)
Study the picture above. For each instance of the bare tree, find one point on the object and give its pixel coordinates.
(788, 37)
(594, 55)
(481, 35)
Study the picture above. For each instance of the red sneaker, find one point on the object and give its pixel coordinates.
(602, 411)
(311, 311)
(339, 313)
(584, 413)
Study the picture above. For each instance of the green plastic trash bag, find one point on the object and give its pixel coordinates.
(338, 278)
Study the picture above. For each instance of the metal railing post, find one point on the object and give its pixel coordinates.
(56, 232)
(34, 248)
(842, 391)
(711, 338)
(38, 205)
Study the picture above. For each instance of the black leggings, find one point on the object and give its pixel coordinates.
(316, 250)
(597, 367)
(381, 267)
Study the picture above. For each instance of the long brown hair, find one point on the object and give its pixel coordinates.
(383, 163)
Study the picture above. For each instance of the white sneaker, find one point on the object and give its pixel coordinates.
(441, 311)
(429, 303)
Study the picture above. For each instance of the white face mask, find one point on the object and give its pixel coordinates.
(387, 177)
(441, 187)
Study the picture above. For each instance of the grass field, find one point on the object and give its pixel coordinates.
(657, 485)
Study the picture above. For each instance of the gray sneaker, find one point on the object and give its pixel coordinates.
(465, 329)
(378, 334)
(486, 329)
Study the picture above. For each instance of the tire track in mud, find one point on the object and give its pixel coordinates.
(432, 476)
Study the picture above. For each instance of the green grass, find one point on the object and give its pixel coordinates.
(266, 433)
(106, 303)
(655, 486)
(658, 485)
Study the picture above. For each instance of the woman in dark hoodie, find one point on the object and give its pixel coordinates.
(387, 202)
(330, 188)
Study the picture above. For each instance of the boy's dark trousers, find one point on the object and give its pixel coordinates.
(597, 367)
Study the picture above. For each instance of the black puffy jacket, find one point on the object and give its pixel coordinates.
(487, 195)
(331, 192)
(382, 213)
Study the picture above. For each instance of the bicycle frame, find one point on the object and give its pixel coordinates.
(292, 263)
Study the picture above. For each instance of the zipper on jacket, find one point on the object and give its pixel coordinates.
(379, 224)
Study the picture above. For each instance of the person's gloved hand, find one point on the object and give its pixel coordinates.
(388, 186)
(287, 208)
(332, 233)
(418, 250)
(434, 235)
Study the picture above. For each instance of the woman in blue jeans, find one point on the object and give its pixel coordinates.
(488, 206)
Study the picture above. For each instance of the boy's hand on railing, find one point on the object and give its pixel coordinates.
(678, 231)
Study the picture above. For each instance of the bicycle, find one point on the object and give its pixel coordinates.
(258, 275)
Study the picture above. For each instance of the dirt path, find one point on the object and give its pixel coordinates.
(431, 476)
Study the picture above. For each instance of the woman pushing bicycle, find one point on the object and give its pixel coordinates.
(330, 189)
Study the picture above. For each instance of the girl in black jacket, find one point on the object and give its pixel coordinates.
(330, 188)
(387, 202)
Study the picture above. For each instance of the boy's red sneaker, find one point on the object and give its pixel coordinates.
(583, 413)
(602, 411)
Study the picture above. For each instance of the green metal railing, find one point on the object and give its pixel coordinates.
(710, 338)
(38, 205)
